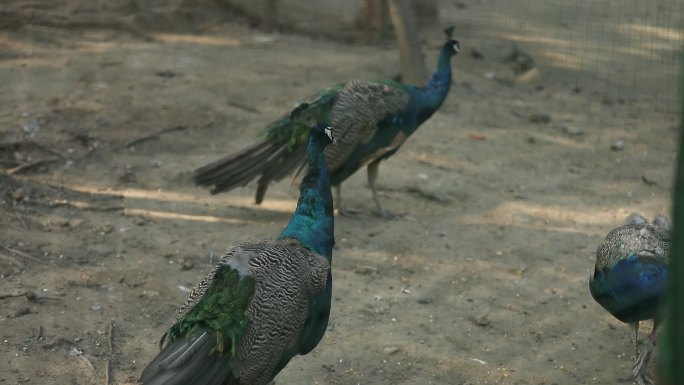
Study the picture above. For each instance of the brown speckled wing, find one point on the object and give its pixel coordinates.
(359, 107)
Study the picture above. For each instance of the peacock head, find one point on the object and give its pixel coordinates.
(451, 46)
(324, 130)
(661, 222)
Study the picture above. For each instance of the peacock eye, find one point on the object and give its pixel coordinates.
(328, 131)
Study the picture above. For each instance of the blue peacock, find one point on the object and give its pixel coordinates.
(372, 119)
(264, 302)
(630, 279)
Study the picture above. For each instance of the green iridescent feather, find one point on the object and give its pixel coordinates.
(294, 128)
(221, 309)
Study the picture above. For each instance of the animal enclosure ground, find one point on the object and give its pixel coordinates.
(507, 191)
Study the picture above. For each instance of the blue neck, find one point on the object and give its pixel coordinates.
(433, 93)
(312, 223)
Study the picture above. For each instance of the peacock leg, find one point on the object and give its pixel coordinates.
(639, 369)
(372, 178)
(338, 203)
(634, 326)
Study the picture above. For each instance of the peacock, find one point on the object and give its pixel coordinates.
(630, 277)
(264, 302)
(372, 119)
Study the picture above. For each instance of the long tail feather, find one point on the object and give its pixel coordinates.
(214, 172)
(188, 361)
(295, 161)
(269, 158)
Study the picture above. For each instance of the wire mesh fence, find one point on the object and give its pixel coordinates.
(624, 50)
(516, 187)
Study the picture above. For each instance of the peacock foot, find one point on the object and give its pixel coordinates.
(346, 212)
(384, 213)
(639, 369)
(641, 379)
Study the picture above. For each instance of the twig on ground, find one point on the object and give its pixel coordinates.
(9, 163)
(12, 260)
(12, 295)
(86, 154)
(29, 143)
(84, 205)
(243, 107)
(154, 135)
(19, 219)
(23, 254)
(428, 195)
(89, 23)
(106, 380)
(36, 296)
(29, 166)
(109, 337)
(569, 372)
(89, 364)
(110, 345)
(46, 149)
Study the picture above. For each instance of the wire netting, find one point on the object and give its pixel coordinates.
(625, 50)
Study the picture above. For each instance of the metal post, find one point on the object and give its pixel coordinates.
(671, 342)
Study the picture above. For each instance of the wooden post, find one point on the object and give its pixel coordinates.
(269, 12)
(412, 63)
(369, 19)
(375, 19)
(382, 18)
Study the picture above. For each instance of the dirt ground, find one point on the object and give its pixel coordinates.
(507, 191)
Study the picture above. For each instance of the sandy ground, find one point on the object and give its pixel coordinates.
(507, 192)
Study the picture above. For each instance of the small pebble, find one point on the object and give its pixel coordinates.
(390, 350)
(74, 351)
(480, 320)
(572, 130)
(539, 118)
(18, 194)
(366, 270)
(648, 181)
(618, 145)
(476, 54)
(187, 265)
(150, 294)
